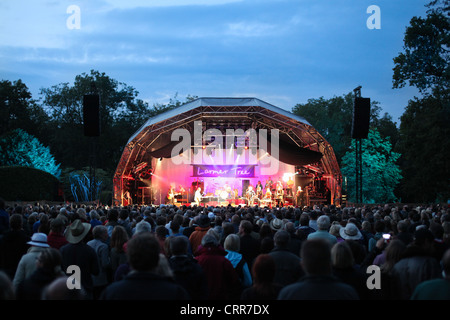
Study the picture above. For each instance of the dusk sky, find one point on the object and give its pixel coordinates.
(281, 51)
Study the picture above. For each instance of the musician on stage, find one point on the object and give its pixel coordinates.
(300, 197)
(227, 189)
(171, 195)
(259, 190)
(198, 195)
(268, 183)
(279, 184)
(268, 194)
(290, 186)
(250, 194)
(279, 193)
(128, 200)
(267, 198)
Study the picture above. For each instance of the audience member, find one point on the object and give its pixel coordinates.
(435, 289)
(196, 236)
(117, 253)
(344, 268)
(232, 247)
(249, 246)
(295, 243)
(78, 253)
(7, 291)
(304, 229)
(403, 234)
(186, 270)
(379, 227)
(94, 219)
(221, 277)
(143, 283)
(58, 290)
(319, 283)
(27, 263)
(416, 266)
(288, 269)
(263, 287)
(13, 245)
(4, 218)
(323, 225)
(48, 268)
(56, 238)
(102, 279)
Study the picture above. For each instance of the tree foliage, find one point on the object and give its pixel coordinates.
(424, 129)
(121, 115)
(19, 110)
(19, 148)
(380, 171)
(425, 146)
(424, 63)
(333, 119)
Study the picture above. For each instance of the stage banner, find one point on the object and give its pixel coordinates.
(235, 171)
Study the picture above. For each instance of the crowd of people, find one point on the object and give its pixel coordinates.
(224, 253)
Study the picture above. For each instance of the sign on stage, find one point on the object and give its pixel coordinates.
(216, 171)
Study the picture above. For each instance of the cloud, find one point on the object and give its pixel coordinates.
(131, 4)
(84, 57)
(250, 29)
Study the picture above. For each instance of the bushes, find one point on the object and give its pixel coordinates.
(28, 184)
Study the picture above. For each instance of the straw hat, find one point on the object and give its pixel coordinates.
(77, 231)
(276, 224)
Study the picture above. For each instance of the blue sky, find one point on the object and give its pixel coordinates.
(281, 51)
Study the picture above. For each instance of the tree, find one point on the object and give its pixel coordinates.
(425, 146)
(19, 148)
(19, 110)
(424, 63)
(424, 128)
(380, 172)
(333, 119)
(121, 115)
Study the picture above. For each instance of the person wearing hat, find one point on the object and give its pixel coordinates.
(48, 268)
(78, 253)
(276, 224)
(204, 224)
(350, 232)
(353, 236)
(27, 264)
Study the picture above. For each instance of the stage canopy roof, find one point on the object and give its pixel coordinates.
(299, 142)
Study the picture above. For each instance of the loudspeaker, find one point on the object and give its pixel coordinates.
(91, 115)
(361, 118)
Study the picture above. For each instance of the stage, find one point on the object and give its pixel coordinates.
(227, 151)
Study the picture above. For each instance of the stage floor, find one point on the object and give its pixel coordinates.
(235, 202)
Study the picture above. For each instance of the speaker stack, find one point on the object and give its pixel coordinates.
(91, 115)
(361, 118)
